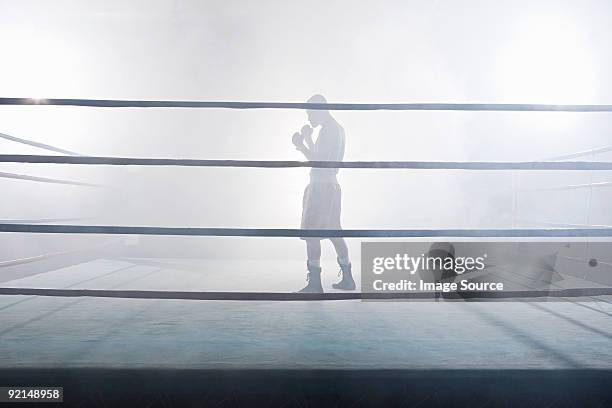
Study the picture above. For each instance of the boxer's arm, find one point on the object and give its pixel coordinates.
(308, 153)
(309, 142)
(307, 134)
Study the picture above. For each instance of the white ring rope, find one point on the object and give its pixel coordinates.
(569, 187)
(37, 144)
(40, 220)
(560, 225)
(597, 150)
(21, 261)
(46, 180)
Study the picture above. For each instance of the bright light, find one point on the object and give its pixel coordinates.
(38, 66)
(548, 61)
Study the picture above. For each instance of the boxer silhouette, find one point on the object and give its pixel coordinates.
(321, 204)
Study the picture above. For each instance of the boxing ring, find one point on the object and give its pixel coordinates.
(110, 312)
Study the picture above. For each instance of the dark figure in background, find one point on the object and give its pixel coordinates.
(322, 197)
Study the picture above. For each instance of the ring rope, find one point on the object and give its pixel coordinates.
(50, 255)
(304, 233)
(573, 258)
(37, 144)
(562, 225)
(428, 165)
(114, 103)
(589, 152)
(281, 296)
(46, 180)
(569, 187)
(583, 153)
(41, 220)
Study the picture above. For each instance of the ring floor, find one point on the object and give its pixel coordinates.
(53, 332)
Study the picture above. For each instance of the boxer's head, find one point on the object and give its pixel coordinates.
(317, 117)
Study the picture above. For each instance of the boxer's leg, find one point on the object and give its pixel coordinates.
(313, 249)
(347, 282)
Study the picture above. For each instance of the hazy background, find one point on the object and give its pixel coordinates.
(378, 51)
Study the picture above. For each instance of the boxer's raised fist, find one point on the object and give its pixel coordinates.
(306, 131)
(297, 139)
